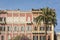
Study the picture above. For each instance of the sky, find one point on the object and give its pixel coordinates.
(29, 4)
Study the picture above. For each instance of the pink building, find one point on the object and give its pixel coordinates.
(16, 22)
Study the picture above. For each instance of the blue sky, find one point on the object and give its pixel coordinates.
(29, 4)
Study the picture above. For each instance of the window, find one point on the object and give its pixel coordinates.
(9, 28)
(35, 37)
(2, 28)
(2, 37)
(22, 28)
(35, 28)
(4, 19)
(28, 28)
(42, 28)
(42, 38)
(49, 28)
(15, 28)
(1, 18)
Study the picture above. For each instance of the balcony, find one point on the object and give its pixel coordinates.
(29, 23)
(37, 31)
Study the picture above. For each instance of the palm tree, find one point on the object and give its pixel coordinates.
(48, 17)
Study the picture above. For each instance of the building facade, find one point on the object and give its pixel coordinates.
(16, 22)
(58, 35)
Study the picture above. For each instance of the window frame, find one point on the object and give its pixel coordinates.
(22, 28)
(49, 28)
(36, 38)
(42, 28)
(9, 28)
(28, 28)
(2, 28)
(42, 37)
(15, 28)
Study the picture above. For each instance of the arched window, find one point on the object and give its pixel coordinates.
(22, 28)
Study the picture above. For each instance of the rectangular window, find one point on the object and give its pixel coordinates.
(1, 18)
(42, 28)
(42, 38)
(49, 29)
(9, 28)
(2, 28)
(35, 37)
(35, 28)
(15, 29)
(28, 28)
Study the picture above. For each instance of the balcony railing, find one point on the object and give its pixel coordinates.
(29, 23)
